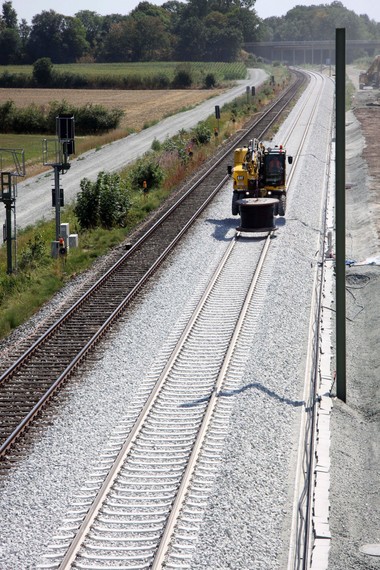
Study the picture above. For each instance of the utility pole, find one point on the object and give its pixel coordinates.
(340, 213)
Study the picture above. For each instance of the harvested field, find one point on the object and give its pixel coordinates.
(140, 107)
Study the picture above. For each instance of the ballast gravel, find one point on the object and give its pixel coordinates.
(251, 503)
(247, 525)
(247, 520)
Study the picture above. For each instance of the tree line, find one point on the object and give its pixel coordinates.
(319, 22)
(200, 30)
(195, 30)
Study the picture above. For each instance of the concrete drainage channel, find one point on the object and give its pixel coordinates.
(321, 502)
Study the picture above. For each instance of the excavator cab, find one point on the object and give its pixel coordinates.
(273, 176)
(274, 165)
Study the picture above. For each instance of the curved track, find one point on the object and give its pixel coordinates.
(30, 381)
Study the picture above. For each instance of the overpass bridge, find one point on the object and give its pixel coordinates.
(314, 52)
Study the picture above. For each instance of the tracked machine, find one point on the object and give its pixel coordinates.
(259, 172)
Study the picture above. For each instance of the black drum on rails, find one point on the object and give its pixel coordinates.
(257, 214)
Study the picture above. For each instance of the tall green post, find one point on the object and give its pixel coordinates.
(340, 213)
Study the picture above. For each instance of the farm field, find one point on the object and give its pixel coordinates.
(223, 71)
(141, 107)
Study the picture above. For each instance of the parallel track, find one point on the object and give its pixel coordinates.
(31, 380)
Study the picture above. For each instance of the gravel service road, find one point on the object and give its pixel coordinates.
(355, 425)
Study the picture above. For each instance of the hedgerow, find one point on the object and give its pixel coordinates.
(89, 119)
(145, 75)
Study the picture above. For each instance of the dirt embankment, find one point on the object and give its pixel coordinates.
(355, 448)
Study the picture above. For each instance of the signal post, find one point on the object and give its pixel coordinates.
(64, 147)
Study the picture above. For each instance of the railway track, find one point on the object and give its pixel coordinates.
(143, 515)
(142, 506)
(29, 382)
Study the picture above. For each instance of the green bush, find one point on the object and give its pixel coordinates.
(95, 119)
(183, 77)
(146, 170)
(114, 200)
(156, 145)
(201, 133)
(102, 203)
(87, 205)
(210, 81)
(43, 71)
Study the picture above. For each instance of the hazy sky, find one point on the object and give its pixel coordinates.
(264, 8)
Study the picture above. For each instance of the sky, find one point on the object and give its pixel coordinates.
(26, 9)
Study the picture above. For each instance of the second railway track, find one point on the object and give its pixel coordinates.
(33, 378)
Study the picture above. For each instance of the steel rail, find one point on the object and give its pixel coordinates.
(97, 286)
(159, 559)
(139, 423)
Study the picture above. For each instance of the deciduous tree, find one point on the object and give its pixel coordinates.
(62, 38)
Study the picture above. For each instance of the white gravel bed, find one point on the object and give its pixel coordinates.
(247, 522)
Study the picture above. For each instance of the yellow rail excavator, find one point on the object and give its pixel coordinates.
(259, 171)
(371, 77)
